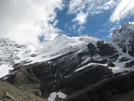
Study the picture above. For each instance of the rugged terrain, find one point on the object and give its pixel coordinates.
(10, 93)
(74, 68)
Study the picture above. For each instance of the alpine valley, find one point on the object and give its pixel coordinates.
(66, 68)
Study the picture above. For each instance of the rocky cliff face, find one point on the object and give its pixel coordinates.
(79, 66)
(123, 38)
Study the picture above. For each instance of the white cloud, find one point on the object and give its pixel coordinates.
(91, 6)
(77, 8)
(76, 5)
(80, 18)
(25, 20)
(124, 9)
(109, 4)
(84, 8)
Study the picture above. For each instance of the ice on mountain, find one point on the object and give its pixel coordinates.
(59, 94)
(4, 70)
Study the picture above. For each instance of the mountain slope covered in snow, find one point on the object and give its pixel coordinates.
(67, 65)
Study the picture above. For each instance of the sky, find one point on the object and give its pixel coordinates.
(33, 21)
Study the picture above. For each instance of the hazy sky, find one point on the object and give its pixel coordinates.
(30, 21)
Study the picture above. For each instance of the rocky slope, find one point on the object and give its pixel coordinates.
(11, 93)
(74, 68)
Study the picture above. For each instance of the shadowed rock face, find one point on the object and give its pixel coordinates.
(105, 90)
(131, 47)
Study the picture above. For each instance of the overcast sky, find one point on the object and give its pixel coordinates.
(31, 21)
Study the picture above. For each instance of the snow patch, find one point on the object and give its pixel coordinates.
(90, 64)
(120, 66)
(53, 96)
(4, 70)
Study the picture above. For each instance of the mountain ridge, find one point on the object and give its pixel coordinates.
(69, 64)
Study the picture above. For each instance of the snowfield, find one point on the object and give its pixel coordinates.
(4, 70)
(53, 96)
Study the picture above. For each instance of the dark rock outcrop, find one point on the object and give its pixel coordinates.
(103, 91)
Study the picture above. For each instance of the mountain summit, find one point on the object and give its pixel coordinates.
(72, 68)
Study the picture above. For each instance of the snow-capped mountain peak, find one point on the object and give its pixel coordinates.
(65, 65)
(122, 40)
(61, 45)
(12, 53)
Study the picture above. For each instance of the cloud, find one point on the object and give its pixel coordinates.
(82, 9)
(25, 20)
(80, 18)
(90, 7)
(75, 6)
(124, 9)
